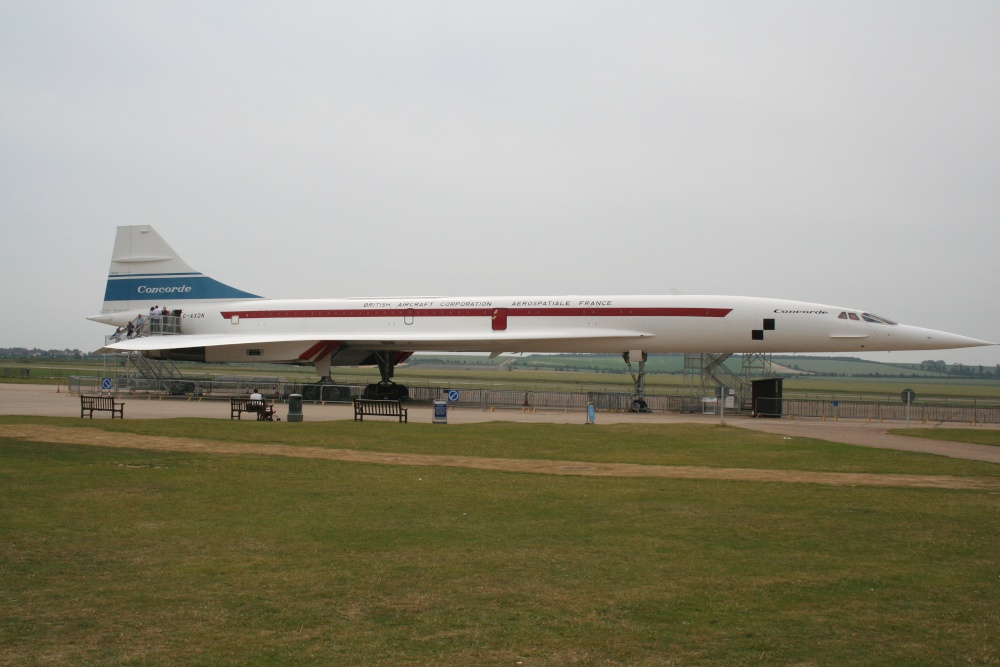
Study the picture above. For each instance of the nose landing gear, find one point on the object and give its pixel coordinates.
(638, 402)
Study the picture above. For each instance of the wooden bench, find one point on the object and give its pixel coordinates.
(101, 404)
(263, 409)
(376, 408)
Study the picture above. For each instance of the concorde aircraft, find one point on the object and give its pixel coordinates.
(208, 321)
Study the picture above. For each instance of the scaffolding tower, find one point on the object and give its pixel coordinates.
(705, 371)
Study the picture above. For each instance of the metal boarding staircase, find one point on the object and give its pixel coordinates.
(132, 370)
(707, 370)
(156, 369)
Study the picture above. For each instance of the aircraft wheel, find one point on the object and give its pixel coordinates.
(639, 405)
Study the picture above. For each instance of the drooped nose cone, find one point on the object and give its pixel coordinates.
(905, 337)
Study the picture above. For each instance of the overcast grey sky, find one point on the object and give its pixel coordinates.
(845, 153)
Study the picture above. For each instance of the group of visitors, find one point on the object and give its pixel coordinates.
(155, 315)
(130, 330)
(135, 327)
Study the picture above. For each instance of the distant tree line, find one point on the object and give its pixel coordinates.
(35, 353)
(960, 369)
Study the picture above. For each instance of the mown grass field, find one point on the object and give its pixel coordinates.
(122, 557)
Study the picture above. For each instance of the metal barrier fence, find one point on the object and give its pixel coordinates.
(973, 411)
(230, 387)
(273, 389)
(506, 399)
(193, 388)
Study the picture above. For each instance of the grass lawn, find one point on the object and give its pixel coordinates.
(679, 444)
(122, 557)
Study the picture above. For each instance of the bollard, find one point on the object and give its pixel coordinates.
(295, 408)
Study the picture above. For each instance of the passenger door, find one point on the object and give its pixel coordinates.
(499, 319)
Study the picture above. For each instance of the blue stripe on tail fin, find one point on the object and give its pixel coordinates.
(174, 287)
(146, 271)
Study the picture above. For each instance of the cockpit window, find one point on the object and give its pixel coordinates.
(875, 319)
(867, 317)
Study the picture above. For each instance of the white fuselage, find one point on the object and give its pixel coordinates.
(302, 329)
(219, 323)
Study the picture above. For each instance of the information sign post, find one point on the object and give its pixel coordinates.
(908, 396)
(722, 393)
(440, 411)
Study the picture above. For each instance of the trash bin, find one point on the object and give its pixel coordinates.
(295, 408)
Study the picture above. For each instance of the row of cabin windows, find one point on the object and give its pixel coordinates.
(867, 317)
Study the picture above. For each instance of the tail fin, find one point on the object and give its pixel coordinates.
(145, 271)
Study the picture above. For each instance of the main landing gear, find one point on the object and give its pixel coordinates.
(638, 402)
(346, 355)
(386, 389)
